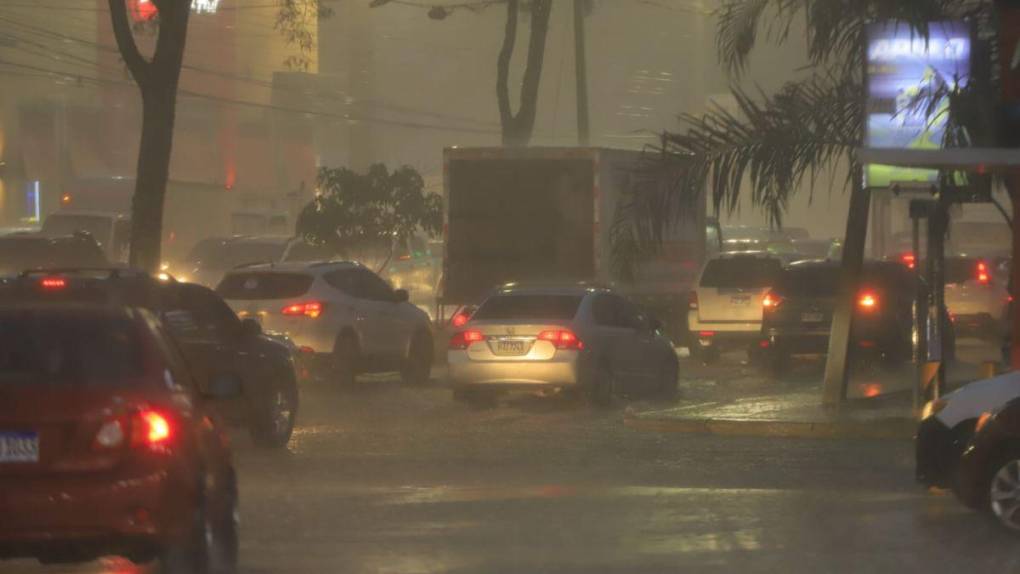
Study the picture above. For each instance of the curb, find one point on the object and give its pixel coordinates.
(899, 428)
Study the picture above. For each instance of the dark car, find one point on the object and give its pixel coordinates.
(22, 251)
(989, 470)
(798, 312)
(217, 345)
(107, 444)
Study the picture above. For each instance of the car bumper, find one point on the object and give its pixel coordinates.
(718, 334)
(82, 518)
(937, 452)
(560, 372)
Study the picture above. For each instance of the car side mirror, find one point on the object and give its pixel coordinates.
(401, 296)
(224, 387)
(250, 328)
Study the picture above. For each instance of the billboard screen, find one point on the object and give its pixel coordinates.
(904, 69)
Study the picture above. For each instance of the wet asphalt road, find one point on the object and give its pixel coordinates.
(384, 478)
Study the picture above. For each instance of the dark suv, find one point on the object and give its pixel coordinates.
(218, 347)
(798, 312)
(22, 251)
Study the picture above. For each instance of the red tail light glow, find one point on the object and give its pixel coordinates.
(150, 429)
(460, 318)
(464, 339)
(909, 259)
(983, 276)
(307, 309)
(867, 301)
(771, 301)
(53, 283)
(563, 340)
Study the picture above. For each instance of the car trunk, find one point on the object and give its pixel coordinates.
(514, 340)
(64, 421)
(731, 305)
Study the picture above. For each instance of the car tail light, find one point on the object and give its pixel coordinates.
(706, 334)
(150, 429)
(563, 340)
(147, 429)
(464, 339)
(307, 309)
(909, 259)
(771, 301)
(983, 276)
(460, 318)
(53, 283)
(692, 300)
(867, 301)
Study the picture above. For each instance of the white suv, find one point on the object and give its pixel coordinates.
(726, 307)
(345, 314)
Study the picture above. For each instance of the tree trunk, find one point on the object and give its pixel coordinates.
(158, 112)
(518, 128)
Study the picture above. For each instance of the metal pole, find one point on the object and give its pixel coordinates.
(920, 307)
(581, 70)
(837, 362)
(937, 283)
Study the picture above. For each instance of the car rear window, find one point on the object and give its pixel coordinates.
(741, 272)
(250, 286)
(542, 307)
(809, 281)
(68, 348)
(960, 270)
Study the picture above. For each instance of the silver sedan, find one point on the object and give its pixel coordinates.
(576, 338)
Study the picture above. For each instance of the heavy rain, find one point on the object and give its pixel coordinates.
(509, 286)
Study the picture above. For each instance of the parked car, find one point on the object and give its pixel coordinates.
(22, 251)
(576, 338)
(976, 296)
(798, 313)
(112, 231)
(108, 445)
(216, 344)
(211, 260)
(807, 249)
(725, 309)
(989, 473)
(947, 426)
(343, 313)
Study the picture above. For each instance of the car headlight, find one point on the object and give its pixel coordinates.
(933, 407)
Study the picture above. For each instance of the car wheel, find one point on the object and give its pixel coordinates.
(345, 360)
(274, 420)
(1004, 490)
(418, 367)
(212, 546)
(602, 388)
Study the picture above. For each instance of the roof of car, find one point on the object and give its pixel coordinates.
(549, 288)
(750, 253)
(297, 266)
(91, 213)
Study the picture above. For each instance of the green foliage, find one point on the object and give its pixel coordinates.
(357, 212)
(295, 21)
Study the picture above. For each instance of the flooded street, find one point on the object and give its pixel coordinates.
(386, 478)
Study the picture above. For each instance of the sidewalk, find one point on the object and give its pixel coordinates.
(736, 399)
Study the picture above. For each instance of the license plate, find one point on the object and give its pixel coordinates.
(511, 347)
(740, 300)
(812, 317)
(19, 447)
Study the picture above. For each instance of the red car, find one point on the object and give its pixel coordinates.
(106, 447)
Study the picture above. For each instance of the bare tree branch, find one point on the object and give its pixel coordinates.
(506, 114)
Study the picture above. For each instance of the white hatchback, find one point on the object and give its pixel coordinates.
(345, 315)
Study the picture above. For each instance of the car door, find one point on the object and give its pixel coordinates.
(615, 336)
(207, 332)
(377, 319)
(643, 344)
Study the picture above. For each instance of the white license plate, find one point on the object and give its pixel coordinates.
(812, 317)
(19, 447)
(740, 300)
(511, 347)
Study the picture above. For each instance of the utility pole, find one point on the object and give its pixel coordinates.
(1009, 49)
(581, 69)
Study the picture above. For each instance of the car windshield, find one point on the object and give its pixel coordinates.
(98, 226)
(261, 285)
(20, 253)
(68, 347)
(741, 272)
(526, 307)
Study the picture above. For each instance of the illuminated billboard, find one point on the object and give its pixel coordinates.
(904, 71)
